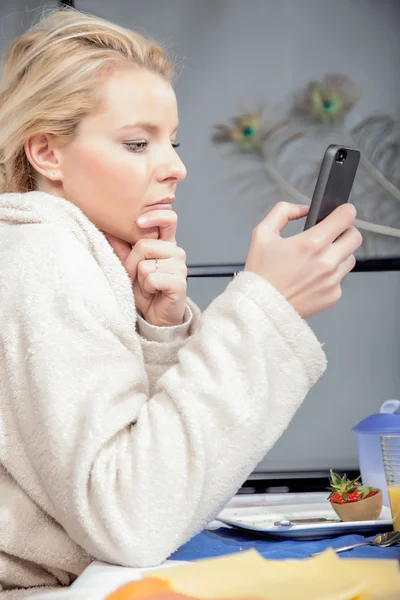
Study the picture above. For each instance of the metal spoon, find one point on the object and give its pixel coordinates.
(384, 541)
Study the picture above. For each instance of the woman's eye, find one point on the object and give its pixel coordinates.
(137, 147)
(141, 145)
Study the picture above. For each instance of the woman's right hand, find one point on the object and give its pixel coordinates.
(306, 268)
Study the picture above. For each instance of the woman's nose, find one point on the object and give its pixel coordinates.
(174, 169)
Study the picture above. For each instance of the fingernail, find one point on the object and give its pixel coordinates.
(142, 221)
(353, 208)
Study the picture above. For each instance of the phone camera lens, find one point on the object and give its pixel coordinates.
(341, 156)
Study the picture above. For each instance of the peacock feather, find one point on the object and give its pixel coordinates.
(287, 149)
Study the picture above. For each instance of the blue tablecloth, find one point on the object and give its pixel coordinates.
(228, 541)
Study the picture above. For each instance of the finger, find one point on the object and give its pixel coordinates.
(166, 220)
(347, 243)
(342, 270)
(346, 266)
(328, 230)
(172, 266)
(281, 214)
(170, 284)
(146, 249)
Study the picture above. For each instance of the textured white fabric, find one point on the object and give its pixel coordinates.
(114, 446)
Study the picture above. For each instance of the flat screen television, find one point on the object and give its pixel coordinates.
(361, 337)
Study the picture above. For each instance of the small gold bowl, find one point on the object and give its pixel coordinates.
(368, 509)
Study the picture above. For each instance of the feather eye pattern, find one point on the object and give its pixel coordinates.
(326, 101)
(288, 148)
(245, 131)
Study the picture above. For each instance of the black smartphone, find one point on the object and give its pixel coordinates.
(334, 183)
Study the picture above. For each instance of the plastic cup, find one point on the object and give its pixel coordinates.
(390, 445)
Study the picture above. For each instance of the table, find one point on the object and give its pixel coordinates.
(219, 542)
(99, 579)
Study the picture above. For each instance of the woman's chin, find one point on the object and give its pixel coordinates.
(152, 233)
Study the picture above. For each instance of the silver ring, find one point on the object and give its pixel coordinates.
(155, 265)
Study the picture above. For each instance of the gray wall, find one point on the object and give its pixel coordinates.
(237, 52)
(16, 16)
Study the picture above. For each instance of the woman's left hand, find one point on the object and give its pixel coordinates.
(157, 268)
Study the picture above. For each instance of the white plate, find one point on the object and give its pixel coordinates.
(259, 514)
(98, 581)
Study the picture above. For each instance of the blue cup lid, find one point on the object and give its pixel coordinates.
(379, 423)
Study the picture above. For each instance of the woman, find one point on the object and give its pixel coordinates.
(128, 419)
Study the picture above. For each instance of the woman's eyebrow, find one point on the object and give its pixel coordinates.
(150, 127)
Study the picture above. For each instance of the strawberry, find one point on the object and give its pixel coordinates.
(373, 492)
(345, 490)
(337, 498)
(353, 496)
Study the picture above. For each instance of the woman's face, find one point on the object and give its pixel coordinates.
(122, 160)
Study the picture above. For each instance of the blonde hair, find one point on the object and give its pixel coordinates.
(50, 78)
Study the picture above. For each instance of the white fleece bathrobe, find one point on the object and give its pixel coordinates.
(120, 440)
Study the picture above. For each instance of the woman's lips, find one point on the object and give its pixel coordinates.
(157, 207)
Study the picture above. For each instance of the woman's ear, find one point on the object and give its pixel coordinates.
(44, 157)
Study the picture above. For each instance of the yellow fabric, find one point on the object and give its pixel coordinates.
(324, 577)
